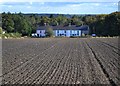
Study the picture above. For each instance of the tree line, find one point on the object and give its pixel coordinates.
(101, 25)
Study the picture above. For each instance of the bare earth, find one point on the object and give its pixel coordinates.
(60, 61)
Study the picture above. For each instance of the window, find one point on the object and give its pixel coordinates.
(65, 31)
(58, 31)
(78, 32)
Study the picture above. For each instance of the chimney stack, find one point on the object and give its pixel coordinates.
(69, 24)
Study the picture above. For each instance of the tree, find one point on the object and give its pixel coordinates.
(53, 22)
(0, 30)
(111, 23)
(49, 32)
(44, 19)
(10, 29)
(103, 25)
(51, 16)
(61, 19)
(25, 28)
(8, 25)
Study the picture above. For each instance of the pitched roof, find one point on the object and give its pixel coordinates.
(60, 27)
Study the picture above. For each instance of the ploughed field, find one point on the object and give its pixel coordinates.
(60, 61)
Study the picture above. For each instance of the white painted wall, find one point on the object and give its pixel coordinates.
(68, 33)
(75, 32)
(41, 32)
(79, 32)
(55, 32)
(58, 32)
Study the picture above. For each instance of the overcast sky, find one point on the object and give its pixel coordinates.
(60, 6)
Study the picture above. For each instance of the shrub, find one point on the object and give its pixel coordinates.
(12, 35)
(49, 32)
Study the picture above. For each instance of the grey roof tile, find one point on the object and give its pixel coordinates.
(60, 27)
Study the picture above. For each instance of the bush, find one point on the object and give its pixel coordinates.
(12, 35)
(6, 35)
(17, 34)
(49, 32)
